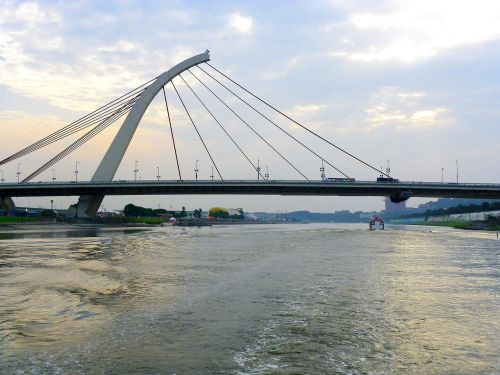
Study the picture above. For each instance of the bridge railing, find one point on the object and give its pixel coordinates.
(249, 181)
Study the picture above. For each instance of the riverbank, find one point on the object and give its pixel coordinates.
(467, 225)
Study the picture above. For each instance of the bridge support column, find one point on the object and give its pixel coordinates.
(85, 209)
(400, 196)
(6, 203)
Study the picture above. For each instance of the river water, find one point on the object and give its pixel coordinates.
(250, 299)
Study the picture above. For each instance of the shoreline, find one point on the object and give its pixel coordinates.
(465, 225)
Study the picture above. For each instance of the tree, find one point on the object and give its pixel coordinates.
(218, 212)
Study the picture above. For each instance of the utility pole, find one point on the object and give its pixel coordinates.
(158, 171)
(53, 175)
(258, 170)
(196, 170)
(212, 175)
(457, 170)
(18, 171)
(76, 171)
(322, 170)
(136, 169)
(442, 175)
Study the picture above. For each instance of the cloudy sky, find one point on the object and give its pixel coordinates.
(413, 82)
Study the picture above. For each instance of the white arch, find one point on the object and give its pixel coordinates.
(88, 205)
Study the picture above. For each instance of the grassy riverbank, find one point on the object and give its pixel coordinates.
(8, 220)
(468, 225)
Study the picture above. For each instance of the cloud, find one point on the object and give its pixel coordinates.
(241, 24)
(410, 31)
(402, 110)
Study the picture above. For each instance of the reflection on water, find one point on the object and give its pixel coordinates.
(249, 299)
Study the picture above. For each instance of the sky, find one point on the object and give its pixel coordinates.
(413, 82)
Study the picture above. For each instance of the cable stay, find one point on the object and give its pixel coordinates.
(82, 140)
(250, 127)
(273, 123)
(88, 120)
(296, 122)
(172, 133)
(222, 127)
(199, 135)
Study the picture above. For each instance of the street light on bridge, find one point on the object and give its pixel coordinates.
(196, 170)
(53, 175)
(76, 171)
(258, 170)
(267, 173)
(158, 173)
(18, 171)
(136, 169)
(1, 174)
(212, 175)
(457, 170)
(442, 175)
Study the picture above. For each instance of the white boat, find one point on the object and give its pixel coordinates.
(376, 222)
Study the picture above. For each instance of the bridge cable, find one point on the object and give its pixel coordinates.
(46, 142)
(199, 135)
(172, 133)
(62, 133)
(273, 123)
(250, 127)
(225, 131)
(79, 142)
(81, 123)
(298, 123)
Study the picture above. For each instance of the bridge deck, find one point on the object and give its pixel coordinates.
(271, 187)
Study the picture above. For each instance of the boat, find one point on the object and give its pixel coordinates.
(376, 222)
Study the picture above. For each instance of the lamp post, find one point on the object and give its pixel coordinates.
(212, 175)
(267, 173)
(457, 170)
(1, 174)
(158, 173)
(322, 170)
(442, 175)
(76, 171)
(258, 170)
(53, 175)
(18, 171)
(196, 170)
(136, 169)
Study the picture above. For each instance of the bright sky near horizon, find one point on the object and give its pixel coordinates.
(413, 82)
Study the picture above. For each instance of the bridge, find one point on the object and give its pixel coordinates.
(134, 104)
(396, 190)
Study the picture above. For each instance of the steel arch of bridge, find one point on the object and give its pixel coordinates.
(88, 205)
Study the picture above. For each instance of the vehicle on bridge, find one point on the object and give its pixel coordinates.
(387, 179)
(339, 179)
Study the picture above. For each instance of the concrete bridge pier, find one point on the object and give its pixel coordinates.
(85, 209)
(6, 203)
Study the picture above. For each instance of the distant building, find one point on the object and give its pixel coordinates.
(394, 207)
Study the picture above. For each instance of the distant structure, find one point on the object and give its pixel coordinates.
(394, 207)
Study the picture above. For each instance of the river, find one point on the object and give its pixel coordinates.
(250, 299)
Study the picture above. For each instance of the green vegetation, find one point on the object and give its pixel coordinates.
(17, 219)
(460, 209)
(218, 212)
(136, 211)
(491, 223)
